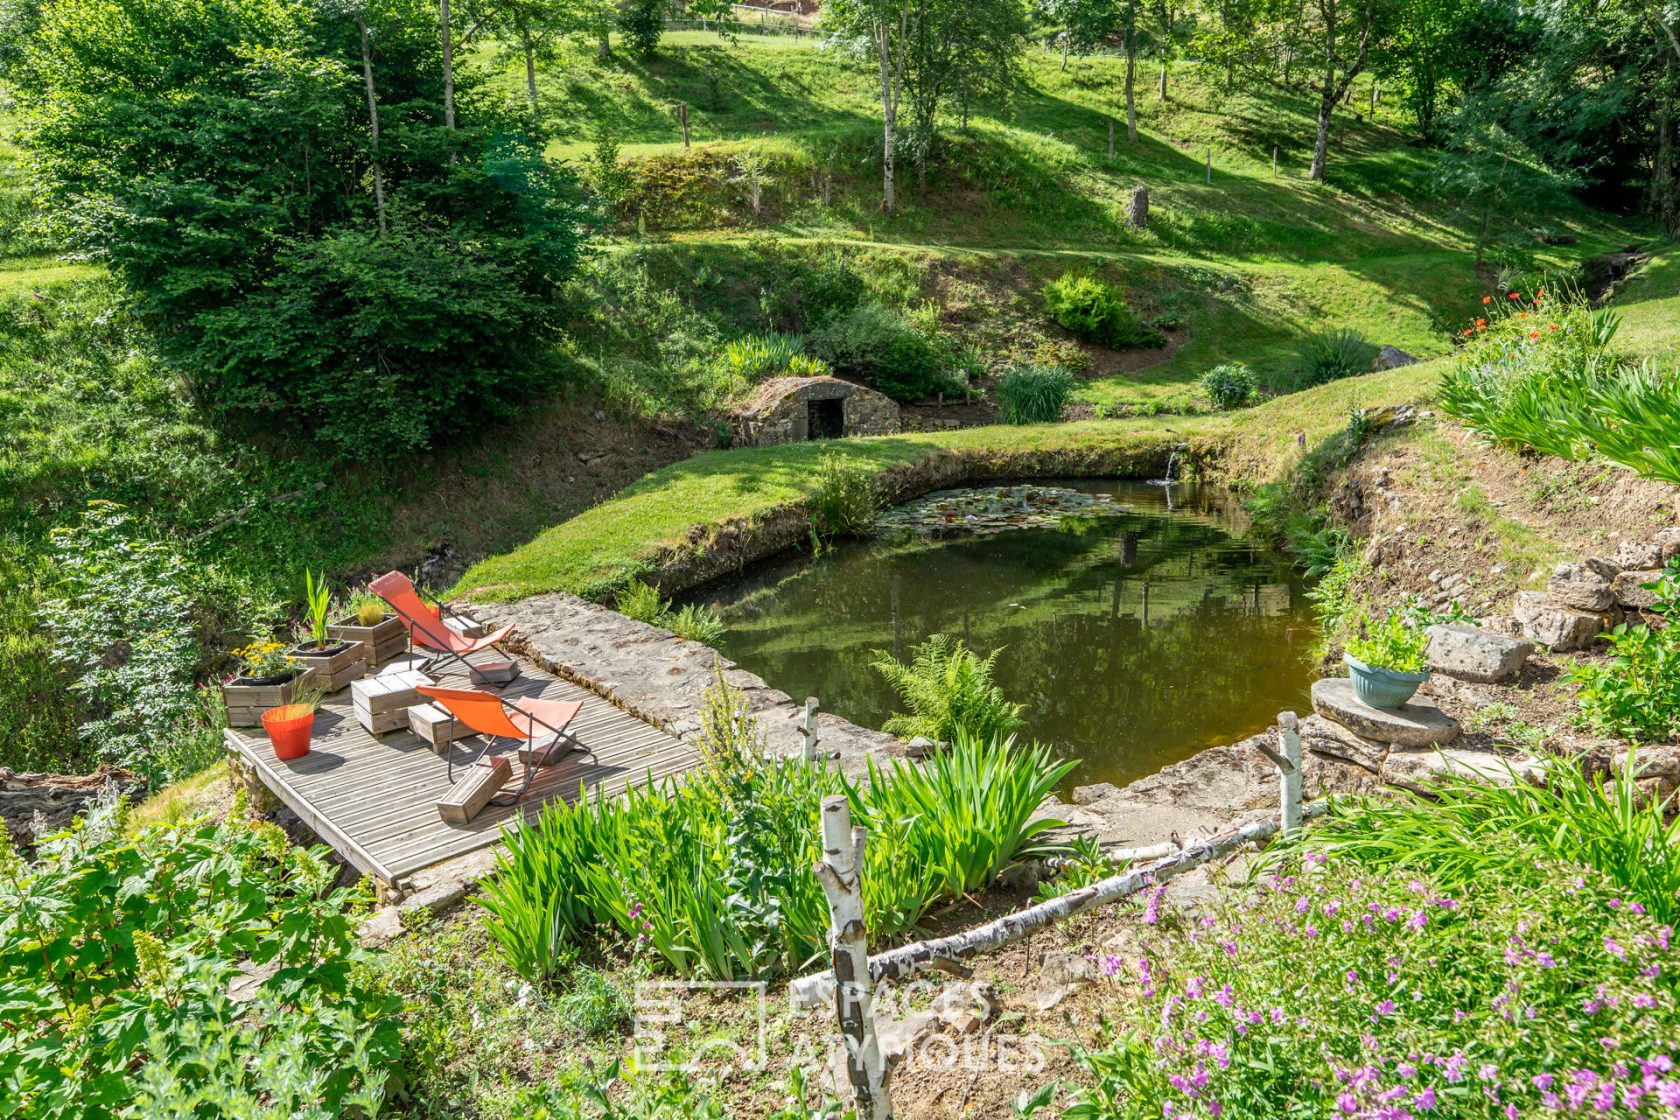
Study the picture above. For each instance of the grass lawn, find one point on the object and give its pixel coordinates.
(604, 547)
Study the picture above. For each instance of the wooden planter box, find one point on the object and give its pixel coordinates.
(334, 671)
(381, 641)
(247, 702)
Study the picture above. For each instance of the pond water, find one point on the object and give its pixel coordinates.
(1135, 634)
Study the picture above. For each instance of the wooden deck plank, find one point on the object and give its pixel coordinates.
(375, 798)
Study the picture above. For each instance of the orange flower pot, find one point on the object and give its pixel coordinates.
(289, 728)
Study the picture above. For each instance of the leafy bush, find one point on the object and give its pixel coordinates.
(693, 622)
(948, 689)
(846, 502)
(593, 1005)
(1230, 385)
(1330, 356)
(872, 344)
(1636, 694)
(1397, 641)
(1337, 989)
(712, 876)
(759, 355)
(1032, 394)
(1463, 830)
(124, 614)
(116, 952)
(1095, 312)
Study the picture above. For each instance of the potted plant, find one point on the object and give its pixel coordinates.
(291, 726)
(336, 661)
(268, 676)
(371, 623)
(1388, 660)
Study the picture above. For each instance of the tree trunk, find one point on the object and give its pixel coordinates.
(840, 874)
(603, 48)
(373, 125)
(531, 73)
(1064, 51)
(1138, 214)
(1163, 90)
(1131, 81)
(448, 67)
(1321, 145)
(1666, 206)
(892, 74)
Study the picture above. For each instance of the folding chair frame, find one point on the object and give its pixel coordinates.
(531, 765)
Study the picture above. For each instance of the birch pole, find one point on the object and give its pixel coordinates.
(946, 954)
(809, 729)
(373, 122)
(841, 874)
(1288, 762)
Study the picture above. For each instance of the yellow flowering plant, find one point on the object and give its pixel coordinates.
(264, 659)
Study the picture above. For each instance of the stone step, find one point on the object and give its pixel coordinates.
(1420, 723)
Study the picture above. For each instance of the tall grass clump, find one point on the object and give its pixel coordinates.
(712, 876)
(1032, 394)
(846, 501)
(760, 355)
(1330, 356)
(948, 688)
(693, 622)
(1544, 374)
(1463, 830)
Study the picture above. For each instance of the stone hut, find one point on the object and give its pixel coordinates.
(791, 409)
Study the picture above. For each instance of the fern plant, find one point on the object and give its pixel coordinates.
(948, 689)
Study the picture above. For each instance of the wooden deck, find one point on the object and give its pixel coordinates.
(375, 799)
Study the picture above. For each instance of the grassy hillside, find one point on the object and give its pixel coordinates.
(1247, 261)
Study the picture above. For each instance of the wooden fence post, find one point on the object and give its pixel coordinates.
(682, 112)
(1274, 161)
(1288, 762)
(810, 729)
(841, 876)
(1210, 167)
(1111, 138)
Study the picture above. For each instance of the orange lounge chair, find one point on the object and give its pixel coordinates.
(528, 720)
(426, 623)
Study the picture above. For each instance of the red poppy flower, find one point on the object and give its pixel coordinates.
(1467, 332)
(1481, 322)
(1533, 334)
(1487, 299)
(1551, 326)
(1522, 314)
(1515, 296)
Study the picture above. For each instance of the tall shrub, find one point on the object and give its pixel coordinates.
(220, 160)
(1096, 312)
(869, 343)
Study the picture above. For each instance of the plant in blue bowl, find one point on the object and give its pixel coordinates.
(1387, 658)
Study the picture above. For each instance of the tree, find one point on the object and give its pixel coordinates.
(1492, 172)
(959, 50)
(1344, 30)
(882, 29)
(206, 153)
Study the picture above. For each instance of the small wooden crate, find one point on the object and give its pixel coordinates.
(474, 789)
(337, 670)
(466, 625)
(381, 702)
(382, 641)
(495, 672)
(247, 702)
(436, 726)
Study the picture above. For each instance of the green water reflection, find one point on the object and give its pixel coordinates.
(1134, 640)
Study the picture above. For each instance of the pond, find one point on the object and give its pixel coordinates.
(1136, 631)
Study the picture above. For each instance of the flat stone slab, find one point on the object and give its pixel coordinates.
(1470, 653)
(1418, 724)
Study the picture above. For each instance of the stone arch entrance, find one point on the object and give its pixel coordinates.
(793, 409)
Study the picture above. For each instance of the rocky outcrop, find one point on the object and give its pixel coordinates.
(1630, 591)
(1559, 627)
(1418, 723)
(1392, 357)
(1470, 653)
(1584, 586)
(36, 805)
